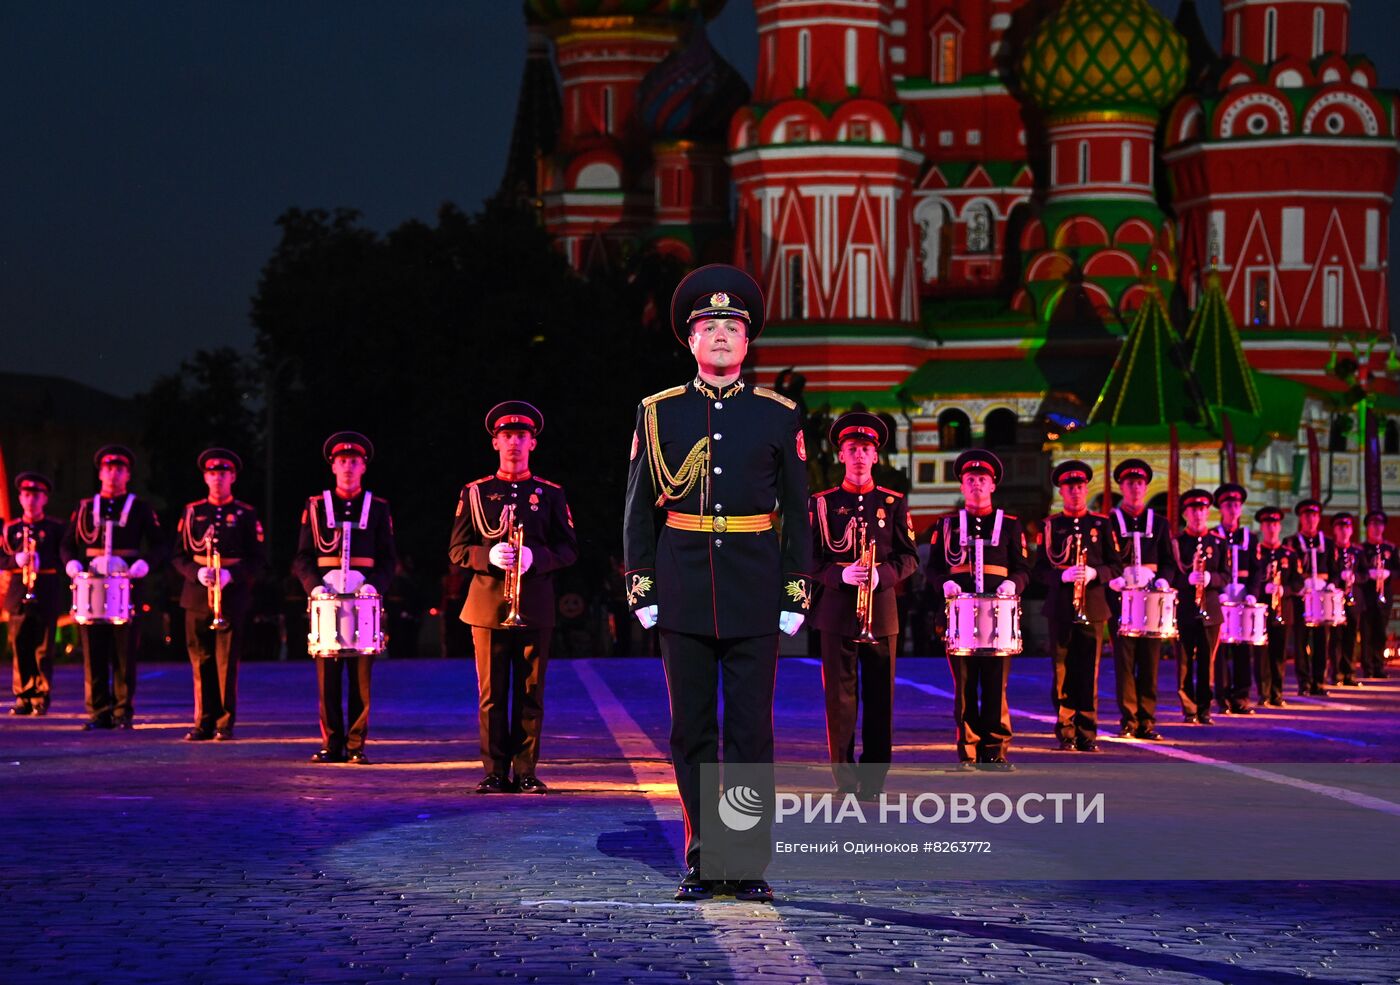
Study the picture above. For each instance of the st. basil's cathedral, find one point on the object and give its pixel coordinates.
(1039, 227)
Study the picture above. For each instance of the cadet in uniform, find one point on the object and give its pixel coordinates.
(223, 526)
(980, 710)
(348, 510)
(1232, 662)
(1375, 595)
(1144, 546)
(511, 714)
(36, 596)
(1079, 557)
(1202, 568)
(1276, 573)
(1348, 562)
(109, 651)
(1315, 561)
(710, 463)
(842, 517)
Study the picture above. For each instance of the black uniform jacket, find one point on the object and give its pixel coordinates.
(1380, 555)
(1102, 553)
(234, 531)
(50, 583)
(837, 516)
(1215, 560)
(953, 548)
(701, 456)
(1268, 562)
(372, 551)
(134, 524)
(540, 507)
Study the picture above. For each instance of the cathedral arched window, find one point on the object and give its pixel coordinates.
(804, 58)
(1084, 162)
(1270, 35)
(1318, 39)
(935, 221)
(795, 275)
(852, 64)
(954, 430)
(945, 57)
(1000, 428)
(1392, 438)
(981, 231)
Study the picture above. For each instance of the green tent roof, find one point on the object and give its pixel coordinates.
(1147, 386)
(1217, 358)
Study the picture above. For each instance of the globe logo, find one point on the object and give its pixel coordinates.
(740, 808)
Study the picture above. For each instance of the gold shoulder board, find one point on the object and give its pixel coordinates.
(763, 391)
(674, 391)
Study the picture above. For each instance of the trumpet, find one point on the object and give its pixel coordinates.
(865, 592)
(1081, 581)
(216, 591)
(515, 536)
(1198, 565)
(29, 574)
(1276, 603)
(1348, 568)
(1381, 601)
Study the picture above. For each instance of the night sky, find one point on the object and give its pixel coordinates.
(149, 147)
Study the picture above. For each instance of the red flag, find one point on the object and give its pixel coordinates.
(1232, 465)
(1174, 480)
(1314, 465)
(1107, 471)
(4, 488)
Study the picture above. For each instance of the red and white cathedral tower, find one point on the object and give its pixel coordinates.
(824, 164)
(1283, 170)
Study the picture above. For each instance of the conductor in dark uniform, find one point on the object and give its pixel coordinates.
(844, 518)
(223, 529)
(511, 658)
(1144, 542)
(1078, 559)
(137, 547)
(1202, 570)
(979, 542)
(717, 468)
(37, 594)
(349, 510)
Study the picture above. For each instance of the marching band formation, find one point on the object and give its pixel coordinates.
(724, 550)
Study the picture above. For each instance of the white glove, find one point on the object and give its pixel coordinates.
(22, 559)
(73, 568)
(1348, 577)
(332, 580)
(527, 558)
(139, 568)
(206, 577)
(366, 588)
(854, 574)
(1135, 576)
(1315, 584)
(790, 622)
(105, 566)
(1382, 573)
(1251, 600)
(1233, 592)
(1007, 588)
(1071, 574)
(320, 592)
(1162, 585)
(1118, 584)
(1090, 573)
(1199, 578)
(951, 589)
(502, 556)
(1270, 588)
(646, 615)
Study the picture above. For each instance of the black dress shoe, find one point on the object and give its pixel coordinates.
(97, 723)
(493, 783)
(41, 710)
(869, 795)
(1350, 683)
(1066, 744)
(328, 756)
(123, 723)
(965, 766)
(753, 891)
(1126, 732)
(198, 735)
(223, 735)
(357, 758)
(1205, 719)
(1150, 734)
(1086, 745)
(1189, 719)
(996, 764)
(530, 784)
(1318, 691)
(1275, 702)
(692, 888)
(1242, 710)
(22, 708)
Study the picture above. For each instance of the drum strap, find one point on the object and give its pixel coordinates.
(962, 529)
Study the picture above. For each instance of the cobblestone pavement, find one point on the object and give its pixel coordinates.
(134, 857)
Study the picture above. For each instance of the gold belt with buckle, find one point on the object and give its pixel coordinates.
(720, 524)
(987, 569)
(328, 561)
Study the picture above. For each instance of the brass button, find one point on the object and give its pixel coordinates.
(721, 524)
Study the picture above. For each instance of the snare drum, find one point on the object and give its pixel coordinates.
(1324, 607)
(345, 625)
(101, 600)
(983, 626)
(1244, 622)
(1148, 613)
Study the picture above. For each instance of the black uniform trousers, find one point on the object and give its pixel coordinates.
(109, 669)
(980, 710)
(1074, 691)
(1135, 662)
(31, 641)
(1374, 623)
(1269, 663)
(1341, 648)
(1194, 667)
(1232, 673)
(745, 667)
(1310, 665)
(214, 657)
(510, 665)
(335, 735)
(852, 674)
